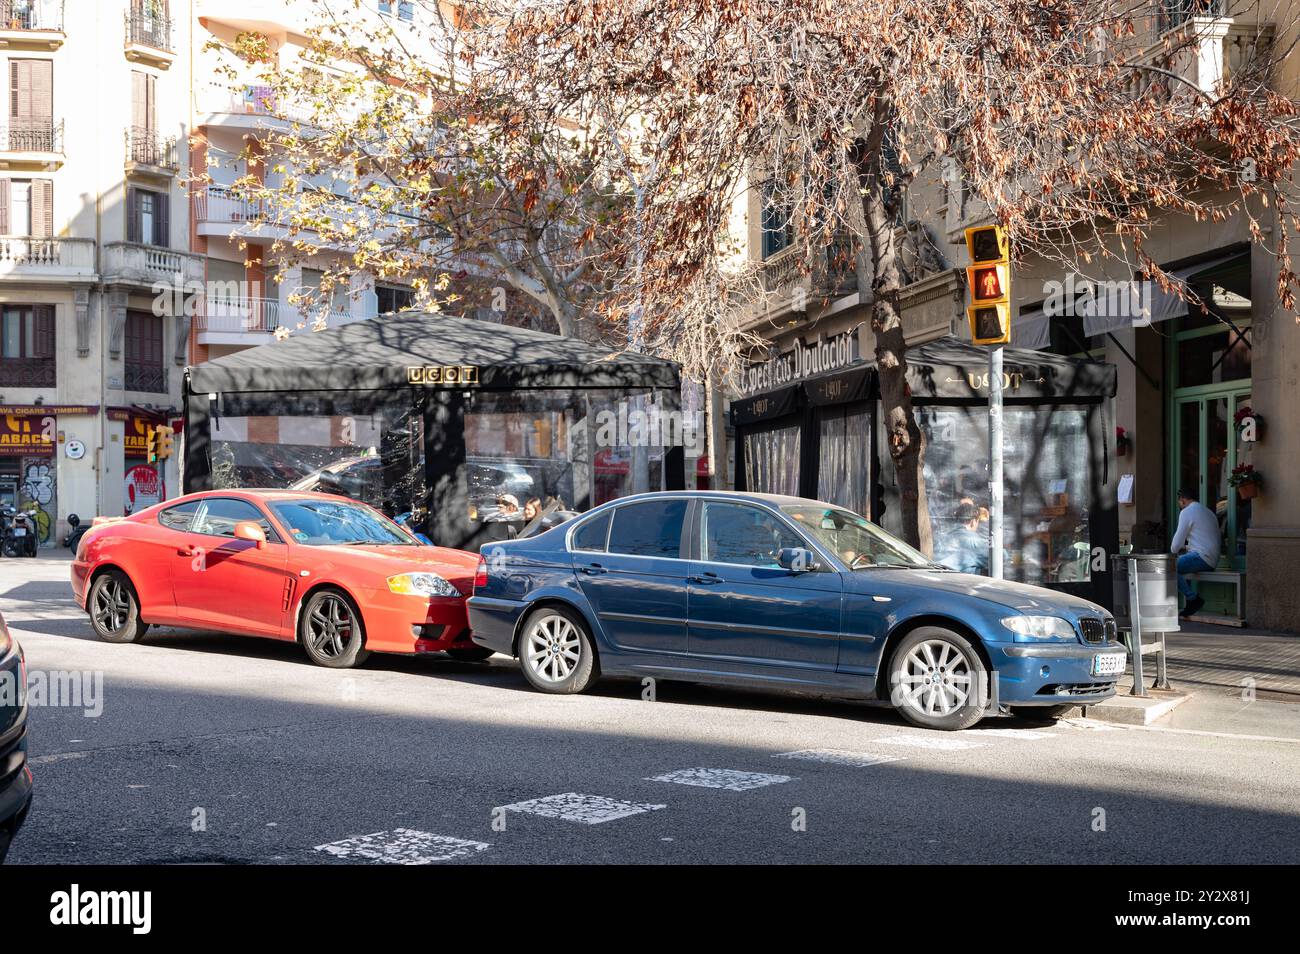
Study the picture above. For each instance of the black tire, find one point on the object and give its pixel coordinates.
(114, 609)
(331, 630)
(471, 653)
(1042, 714)
(938, 680)
(550, 639)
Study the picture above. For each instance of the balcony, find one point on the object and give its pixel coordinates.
(274, 18)
(237, 321)
(833, 273)
(148, 153)
(28, 373)
(130, 263)
(32, 144)
(148, 39)
(247, 107)
(1203, 51)
(146, 377)
(54, 260)
(31, 24)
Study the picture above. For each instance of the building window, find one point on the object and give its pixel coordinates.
(1174, 13)
(390, 298)
(777, 220)
(144, 353)
(405, 9)
(147, 217)
(27, 346)
(27, 207)
(31, 106)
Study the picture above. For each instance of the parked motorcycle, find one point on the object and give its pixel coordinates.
(75, 533)
(18, 533)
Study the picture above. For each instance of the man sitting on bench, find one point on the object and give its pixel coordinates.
(1198, 536)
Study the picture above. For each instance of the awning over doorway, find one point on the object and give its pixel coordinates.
(1164, 304)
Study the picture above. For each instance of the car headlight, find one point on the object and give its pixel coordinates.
(421, 584)
(1030, 628)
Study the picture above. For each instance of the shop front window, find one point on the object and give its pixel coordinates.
(1046, 532)
(772, 460)
(527, 449)
(844, 452)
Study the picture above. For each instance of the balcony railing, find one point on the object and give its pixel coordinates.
(31, 15)
(834, 273)
(32, 136)
(146, 377)
(1174, 13)
(250, 99)
(28, 373)
(147, 147)
(55, 255)
(236, 316)
(146, 29)
(1204, 51)
(220, 204)
(146, 264)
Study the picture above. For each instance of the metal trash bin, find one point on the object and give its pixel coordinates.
(1157, 590)
(1150, 579)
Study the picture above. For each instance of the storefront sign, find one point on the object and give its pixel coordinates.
(802, 361)
(442, 374)
(41, 410)
(26, 436)
(144, 488)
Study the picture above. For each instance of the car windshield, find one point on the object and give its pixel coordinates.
(326, 522)
(855, 540)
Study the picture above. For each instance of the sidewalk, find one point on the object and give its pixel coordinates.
(1223, 658)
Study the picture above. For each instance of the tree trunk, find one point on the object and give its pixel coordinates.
(904, 439)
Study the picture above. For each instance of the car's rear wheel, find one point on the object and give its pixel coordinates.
(114, 609)
(937, 679)
(470, 653)
(556, 651)
(331, 631)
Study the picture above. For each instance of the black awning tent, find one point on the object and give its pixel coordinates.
(462, 414)
(949, 369)
(381, 353)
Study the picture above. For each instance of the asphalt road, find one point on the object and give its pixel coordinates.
(214, 748)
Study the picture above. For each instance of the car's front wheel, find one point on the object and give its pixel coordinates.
(331, 631)
(114, 609)
(556, 651)
(937, 679)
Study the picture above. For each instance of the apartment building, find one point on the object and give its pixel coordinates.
(1184, 382)
(93, 215)
(251, 294)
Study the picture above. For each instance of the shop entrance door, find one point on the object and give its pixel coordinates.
(1207, 446)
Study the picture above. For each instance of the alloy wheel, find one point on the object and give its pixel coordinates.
(936, 678)
(330, 627)
(112, 605)
(552, 648)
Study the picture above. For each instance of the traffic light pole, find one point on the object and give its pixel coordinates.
(995, 462)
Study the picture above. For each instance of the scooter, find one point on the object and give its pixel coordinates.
(75, 533)
(19, 534)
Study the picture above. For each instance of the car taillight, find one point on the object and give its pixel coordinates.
(480, 574)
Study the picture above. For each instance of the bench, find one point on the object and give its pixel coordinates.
(1231, 578)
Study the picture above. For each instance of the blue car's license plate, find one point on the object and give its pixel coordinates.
(1109, 664)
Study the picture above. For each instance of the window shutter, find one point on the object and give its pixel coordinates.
(4, 206)
(150, 102)
(44, 331)
(139, 99)
(161, 222)
(43, 91)
(42, 208)
(133, 215)
(20, 97)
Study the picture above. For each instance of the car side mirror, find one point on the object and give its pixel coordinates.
(248, 530)
(797, 559)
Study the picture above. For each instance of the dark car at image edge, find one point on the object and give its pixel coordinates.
(15, 776)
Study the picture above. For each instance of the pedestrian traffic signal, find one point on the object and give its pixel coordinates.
(989, 280)
(151, 444)
(165, 444)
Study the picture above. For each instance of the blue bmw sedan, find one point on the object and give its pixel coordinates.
(757, 590)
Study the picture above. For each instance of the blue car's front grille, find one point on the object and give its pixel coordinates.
(1095, 630)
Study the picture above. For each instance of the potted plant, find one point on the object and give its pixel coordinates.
(1247, 480)
(1122, 442)
(1247, 418)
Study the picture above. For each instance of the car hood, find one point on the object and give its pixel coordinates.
(1018, 596)
(455, 566)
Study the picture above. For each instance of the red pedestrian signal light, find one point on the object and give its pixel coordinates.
(989, 281)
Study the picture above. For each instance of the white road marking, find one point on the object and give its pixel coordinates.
(944, 743)
(403, 846)
(59, 757)
(1023, 734)
(1089, 724)
(730, 779)
(840, 757)
(584, 809)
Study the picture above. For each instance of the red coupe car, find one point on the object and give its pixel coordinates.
(331, 573)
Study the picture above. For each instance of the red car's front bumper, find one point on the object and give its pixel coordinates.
(397, 623)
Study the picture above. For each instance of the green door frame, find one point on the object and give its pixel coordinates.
(1202, 395)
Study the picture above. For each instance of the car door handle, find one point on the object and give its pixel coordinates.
(185, 551)
(592, 569)
(705, 579)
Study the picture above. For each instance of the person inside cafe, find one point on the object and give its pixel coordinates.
(1196, 544)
